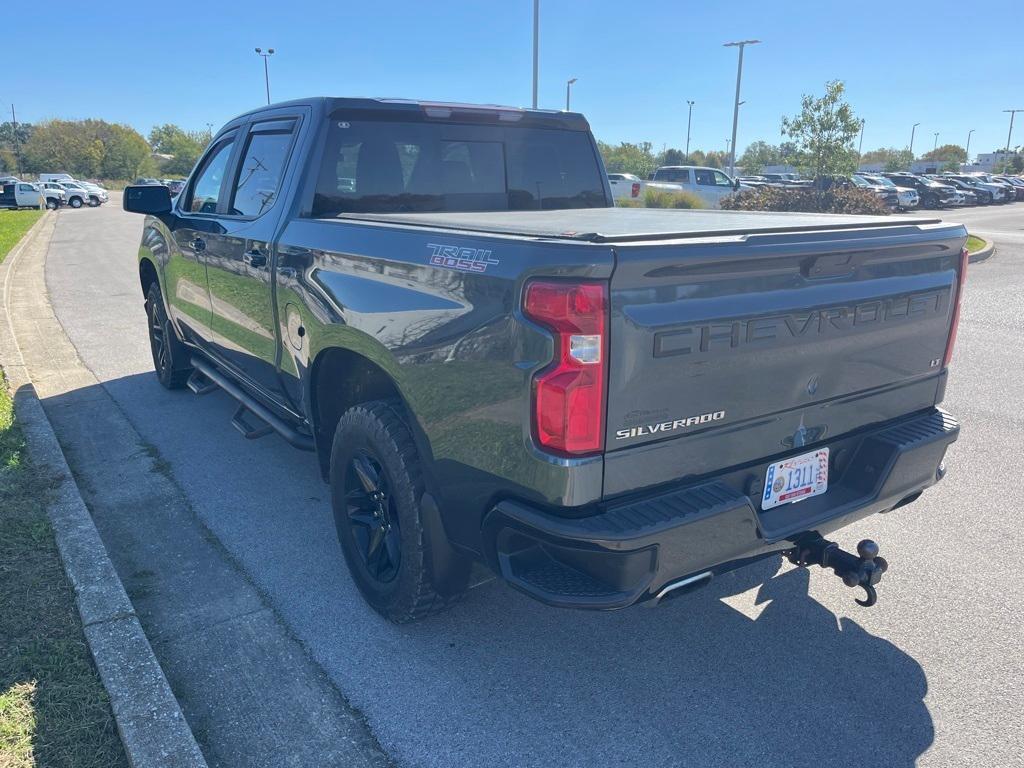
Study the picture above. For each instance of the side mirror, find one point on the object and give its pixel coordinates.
(152, 199)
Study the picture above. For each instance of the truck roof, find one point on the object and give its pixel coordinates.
(614, 225)
(433, 109)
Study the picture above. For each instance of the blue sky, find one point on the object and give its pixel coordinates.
(146, 63)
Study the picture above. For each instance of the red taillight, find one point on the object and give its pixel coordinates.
(568, 395)
(961, 280)
(636, 189)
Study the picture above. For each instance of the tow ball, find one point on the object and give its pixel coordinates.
(864, 569)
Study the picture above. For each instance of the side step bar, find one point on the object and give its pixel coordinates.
(250, 404)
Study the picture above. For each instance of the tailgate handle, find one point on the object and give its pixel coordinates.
(829, 265)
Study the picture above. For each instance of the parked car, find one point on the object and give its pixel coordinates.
(907, 197)
(1000, 192)
(54, 195)
(781, 178)
(77, 195)
(97, 194)
(146, 181)
(492, 363)
(888, 195)
(1014, 181)
(752, 181)
(983, 193)
(175, 185)
(56, 177)
(709, 184)
(21, 194)
(1009, 192)
(9, 179)
(931, 193)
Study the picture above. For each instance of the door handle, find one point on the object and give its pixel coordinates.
(198, 244)
(254, 258)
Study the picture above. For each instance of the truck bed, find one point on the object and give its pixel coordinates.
(617, 225)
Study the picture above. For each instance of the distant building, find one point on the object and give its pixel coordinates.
(989, 161)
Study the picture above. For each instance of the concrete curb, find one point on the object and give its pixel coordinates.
(984, 254)
(149, 720)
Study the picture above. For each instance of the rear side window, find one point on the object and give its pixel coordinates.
(391, 167)
(206, 189)
(678, 175)
(259, 175)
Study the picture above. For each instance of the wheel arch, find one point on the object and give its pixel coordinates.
(148, 274)
(340, 378)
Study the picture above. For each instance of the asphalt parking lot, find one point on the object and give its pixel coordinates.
(768, 666)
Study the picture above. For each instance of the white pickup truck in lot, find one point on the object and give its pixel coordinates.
(709, 184)
(20, 194)
(626, 186)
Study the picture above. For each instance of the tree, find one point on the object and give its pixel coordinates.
(672, 156)
(893, 159)
(757, 155)
(183, 146)
(87, 149)
(11, 142)
(715, 159)
(637, 159)
(824, 133)
(947, 153)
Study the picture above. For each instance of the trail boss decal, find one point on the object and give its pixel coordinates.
(669, 426)
(461, 259)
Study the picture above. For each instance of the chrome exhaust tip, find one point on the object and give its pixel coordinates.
(681, 587)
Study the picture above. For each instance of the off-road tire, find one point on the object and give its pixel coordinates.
(51, 204)
(75, 202)
(378, 429)
(173, 369)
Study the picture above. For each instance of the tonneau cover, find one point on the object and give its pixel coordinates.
(610, 225)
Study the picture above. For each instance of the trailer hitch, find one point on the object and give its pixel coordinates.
(864, 569)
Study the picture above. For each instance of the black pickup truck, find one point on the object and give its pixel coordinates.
(494, 365)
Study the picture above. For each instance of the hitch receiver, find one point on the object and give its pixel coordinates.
(864, 569)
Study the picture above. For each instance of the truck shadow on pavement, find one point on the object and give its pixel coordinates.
(502, 680)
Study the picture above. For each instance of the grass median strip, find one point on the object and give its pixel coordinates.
(975, 244)
(53, 708)
(13, 225)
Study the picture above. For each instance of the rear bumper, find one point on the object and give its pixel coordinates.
(631, 551)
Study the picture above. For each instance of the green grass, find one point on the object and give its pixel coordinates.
(13, 225)
(975, 244)
(664, 198)
(53, 708)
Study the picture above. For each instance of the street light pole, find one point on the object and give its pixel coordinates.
(17, 144)
(969, 144)
(689, 119)
(912, 139)
(266, 68)
(860, 146)
(568, 86)
(536, 49)
(741, 44)
(1010, 134)
(936, 144)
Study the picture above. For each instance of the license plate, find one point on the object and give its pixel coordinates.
(796, 479)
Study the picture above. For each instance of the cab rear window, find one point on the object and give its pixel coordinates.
(397, 167)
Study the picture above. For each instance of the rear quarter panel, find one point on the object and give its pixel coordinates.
(449, 332)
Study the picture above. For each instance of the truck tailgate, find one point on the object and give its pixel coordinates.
(732, 349)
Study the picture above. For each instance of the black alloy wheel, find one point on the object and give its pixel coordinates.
(373, 517)
(158, 342)
(169, 354)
